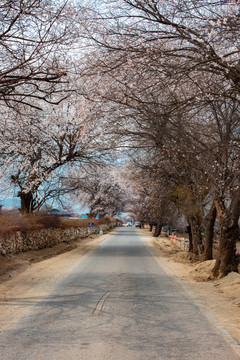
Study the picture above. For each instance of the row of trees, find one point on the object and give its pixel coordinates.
(170, 85)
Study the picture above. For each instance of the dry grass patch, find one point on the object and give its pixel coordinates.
(10, 222)
(84, 222)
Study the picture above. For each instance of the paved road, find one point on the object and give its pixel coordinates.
(117, 304)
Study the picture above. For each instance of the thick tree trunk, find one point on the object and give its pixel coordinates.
(197, 245)
(228, 260)
(157, 230)
(27, 202)
(189, 230)
(209, 226)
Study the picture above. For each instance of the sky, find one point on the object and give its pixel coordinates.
(15, 203)
(10, 202)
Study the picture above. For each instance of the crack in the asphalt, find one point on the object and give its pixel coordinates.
(99, 307)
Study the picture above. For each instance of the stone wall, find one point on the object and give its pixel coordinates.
(16, 241)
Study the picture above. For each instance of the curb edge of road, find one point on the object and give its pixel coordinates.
(233, 343)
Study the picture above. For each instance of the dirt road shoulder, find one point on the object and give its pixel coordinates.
(32, 279)
(219, 300)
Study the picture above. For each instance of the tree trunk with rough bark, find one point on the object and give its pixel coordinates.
(228, 260)
(157, 230)
(197, 245)
(27, 202)
(209, 226)
(189, 230)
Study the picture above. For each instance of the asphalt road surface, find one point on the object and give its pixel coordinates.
(117, 304)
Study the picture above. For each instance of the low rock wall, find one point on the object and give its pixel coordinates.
(16, 241)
